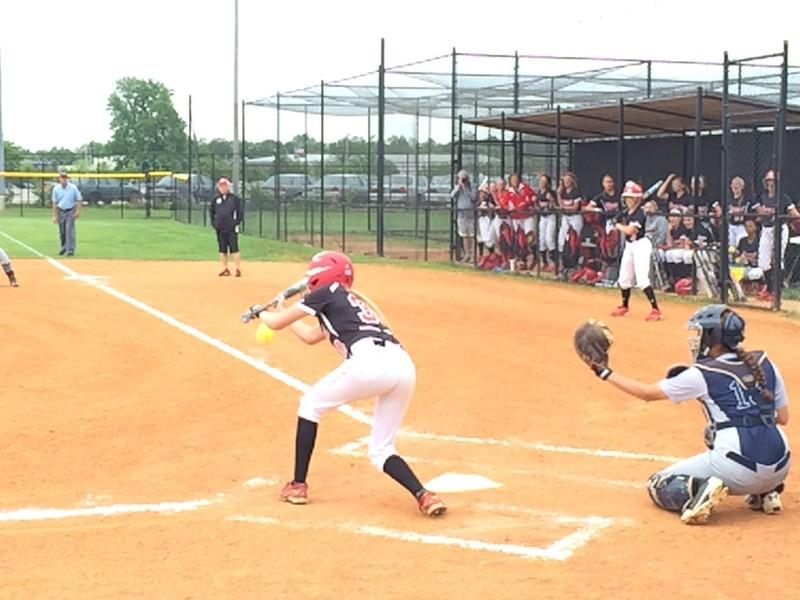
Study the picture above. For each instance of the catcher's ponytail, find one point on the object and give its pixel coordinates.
(756, 371)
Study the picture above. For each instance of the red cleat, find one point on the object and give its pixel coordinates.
(620, 311)
(225, 273)
(430, 505)
(295, 493)
(655, 315)
(238, 273)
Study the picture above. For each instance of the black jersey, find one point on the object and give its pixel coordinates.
(608, 204)
(345, 316)
(637, 218)
(748, 250)
(545, 199)
(685, 202)
(771, 202)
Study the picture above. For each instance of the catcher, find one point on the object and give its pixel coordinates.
(744, 400)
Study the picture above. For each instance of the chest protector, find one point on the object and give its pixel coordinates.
(734, 389)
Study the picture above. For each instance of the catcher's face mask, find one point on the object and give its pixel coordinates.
(695, 340)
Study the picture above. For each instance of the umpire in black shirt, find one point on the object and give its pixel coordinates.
(226, 216)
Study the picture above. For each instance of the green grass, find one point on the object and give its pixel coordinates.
(102, 233)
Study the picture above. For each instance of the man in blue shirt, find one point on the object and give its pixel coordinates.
(66, 208)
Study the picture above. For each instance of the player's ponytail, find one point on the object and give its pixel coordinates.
(751, 362)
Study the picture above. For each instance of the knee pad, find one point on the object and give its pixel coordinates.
(671, 492)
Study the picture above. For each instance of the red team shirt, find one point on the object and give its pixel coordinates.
(520, 201)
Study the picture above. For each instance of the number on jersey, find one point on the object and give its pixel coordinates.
(364, 311)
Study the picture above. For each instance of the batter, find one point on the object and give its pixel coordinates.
(375, 365)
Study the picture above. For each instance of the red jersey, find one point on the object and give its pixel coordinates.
(504, 201)
(521, 201)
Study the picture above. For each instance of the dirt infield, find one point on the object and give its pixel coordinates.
(118, 399)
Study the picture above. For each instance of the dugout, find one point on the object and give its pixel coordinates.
(743, 126)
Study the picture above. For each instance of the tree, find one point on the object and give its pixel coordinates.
(145, 125)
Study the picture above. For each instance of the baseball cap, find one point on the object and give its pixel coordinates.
(63, 173)
(769, 175)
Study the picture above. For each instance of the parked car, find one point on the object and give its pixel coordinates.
(290, 185)
(348, 186)
(173, 187)
(103, 190)
(441, 184)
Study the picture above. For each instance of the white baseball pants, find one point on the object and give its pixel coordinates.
(383, 371)
(635, 265)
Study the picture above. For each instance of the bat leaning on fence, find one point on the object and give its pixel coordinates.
(296, 288)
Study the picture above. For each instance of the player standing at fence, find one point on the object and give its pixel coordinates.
(569, 201)
(635, 264)
(766, 205)
(545, 203)
(226, 217)
(6, 262)
(66, 200)
(521, 196)
(375, 365)
(738, 205)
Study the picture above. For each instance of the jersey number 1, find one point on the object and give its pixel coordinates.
(364, 310)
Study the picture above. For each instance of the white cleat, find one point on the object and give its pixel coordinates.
(699, 508)
(769, 504)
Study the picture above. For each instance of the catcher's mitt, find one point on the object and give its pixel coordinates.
(592, 342)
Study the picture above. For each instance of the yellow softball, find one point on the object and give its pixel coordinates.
(264, 334)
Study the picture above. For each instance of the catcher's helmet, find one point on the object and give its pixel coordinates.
(713, 325)
(329, 267)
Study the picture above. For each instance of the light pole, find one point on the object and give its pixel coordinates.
(235, 174)
(2, 146)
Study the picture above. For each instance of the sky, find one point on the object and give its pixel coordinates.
(60, 60)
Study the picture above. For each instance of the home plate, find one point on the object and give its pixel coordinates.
(458, 482)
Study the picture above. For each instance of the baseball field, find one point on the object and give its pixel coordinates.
(145, 436)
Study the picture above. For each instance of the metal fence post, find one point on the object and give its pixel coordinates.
(460, 156)
(305, 171)
(698, 128)
(189, 175)
(621, 145)
(517, 166)
(277, 169)
(724, 191)
(244, 172)
(777, 260)
(322, 164)
(503, 144)
(453, 92)
(427, 225)
(369, 168)
(558, 143)
(381, 147)
(416, 173)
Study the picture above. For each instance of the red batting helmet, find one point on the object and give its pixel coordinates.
(632, 189)
(329, 267)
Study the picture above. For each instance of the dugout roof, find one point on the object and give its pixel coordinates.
(668, 115)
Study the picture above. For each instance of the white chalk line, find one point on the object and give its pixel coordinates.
(563, 548)
(22, 515)
(303, 387)
(560, 550)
